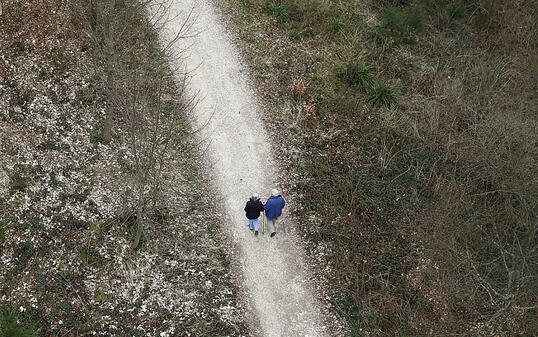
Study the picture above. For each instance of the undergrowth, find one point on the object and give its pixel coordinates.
(10, 325)
(66, 198)
(414, 164)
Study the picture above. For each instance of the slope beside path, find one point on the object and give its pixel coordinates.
(239, 154)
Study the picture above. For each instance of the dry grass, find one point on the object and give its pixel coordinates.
(427, 209)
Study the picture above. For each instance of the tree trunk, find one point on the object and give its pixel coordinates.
(110, 94)
(110, 69)
(139, 218)
(139, 229)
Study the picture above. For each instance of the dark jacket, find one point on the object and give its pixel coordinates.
(253, 208)
(274, 206)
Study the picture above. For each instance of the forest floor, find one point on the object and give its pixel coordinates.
(66, 265)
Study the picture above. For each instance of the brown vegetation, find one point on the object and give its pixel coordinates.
(74, 205)
(417, 154)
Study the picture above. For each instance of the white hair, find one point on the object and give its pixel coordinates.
(274, 192)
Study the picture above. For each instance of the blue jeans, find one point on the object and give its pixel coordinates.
(253, 222)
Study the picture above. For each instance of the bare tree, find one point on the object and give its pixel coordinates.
(105, 24)
(135, 66)
(154, 117)
(112, 25)
(108, 11)
(156, 131)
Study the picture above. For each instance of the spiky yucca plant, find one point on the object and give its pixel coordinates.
(382, 95)
(278, 9)
(358, 74)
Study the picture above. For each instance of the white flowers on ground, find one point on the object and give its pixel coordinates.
(68, 183)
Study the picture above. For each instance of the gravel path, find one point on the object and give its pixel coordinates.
(238, 148)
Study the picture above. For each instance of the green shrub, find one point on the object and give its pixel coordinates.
(358, 74)
(86, 96)
(23, 253)
(278, 9)
(335, 25)
(400, 24)
(22, 99)
(392, 2)
(294, 34)
(309, 32)
(456, 10)
(10, 326)
(97, 138)
(18, 182)
(382, 95)
(3, 227)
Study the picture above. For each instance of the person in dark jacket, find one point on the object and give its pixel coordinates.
(253, 208)
(273, 209)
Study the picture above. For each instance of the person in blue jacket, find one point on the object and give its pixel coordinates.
(273, 209)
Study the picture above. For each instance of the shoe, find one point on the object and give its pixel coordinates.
(273, 234)
(256, 233)
(251, 229)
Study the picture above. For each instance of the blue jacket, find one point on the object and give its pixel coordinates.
(273, 207)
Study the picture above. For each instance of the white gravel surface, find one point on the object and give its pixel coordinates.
(240, 156)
